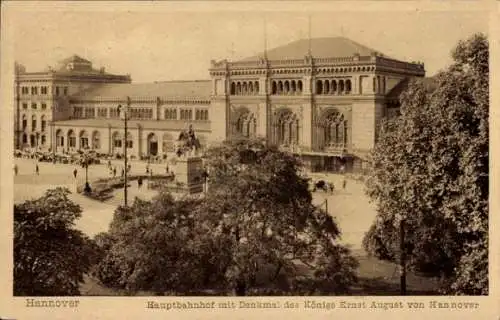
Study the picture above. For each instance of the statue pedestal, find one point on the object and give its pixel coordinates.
(189, 172)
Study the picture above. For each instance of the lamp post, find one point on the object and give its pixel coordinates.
(125, 111)
(402, 257)
(86, 163)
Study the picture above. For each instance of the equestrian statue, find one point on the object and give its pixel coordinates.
(187, 143)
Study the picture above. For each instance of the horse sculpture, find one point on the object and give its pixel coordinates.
(187, 142)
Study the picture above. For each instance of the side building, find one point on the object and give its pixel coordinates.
(322, 99)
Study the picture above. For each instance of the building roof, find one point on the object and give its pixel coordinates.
(333, 47)
(197, 89)
(74, 58)
(174, 125)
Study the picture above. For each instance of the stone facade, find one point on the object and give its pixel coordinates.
(322, 98)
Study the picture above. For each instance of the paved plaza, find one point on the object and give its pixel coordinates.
(350, 207)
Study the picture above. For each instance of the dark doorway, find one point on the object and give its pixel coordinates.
(153, 148)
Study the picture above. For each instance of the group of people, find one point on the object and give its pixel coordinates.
(327, 185)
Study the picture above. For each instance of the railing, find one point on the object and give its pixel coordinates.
(335, 148)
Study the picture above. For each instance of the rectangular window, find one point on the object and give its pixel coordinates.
(25, 106)
(65, 91)
(57, 91)
(117, 143)
(102, 112)
(113, 113)
(43, 124)
(34, 90)
(33, 105)
(43, 90)
(44, 106)
(33, 125)
(43, 140)
(72, 142)
(25, 90)
(130, 144)
(186, 114)
(25, 124)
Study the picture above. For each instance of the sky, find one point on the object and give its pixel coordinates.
(158, 43)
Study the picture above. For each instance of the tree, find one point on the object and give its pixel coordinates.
(254, 232)
(430, 169)
(50, 256)
(260, 208)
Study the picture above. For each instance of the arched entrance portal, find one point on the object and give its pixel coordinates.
(152, 145)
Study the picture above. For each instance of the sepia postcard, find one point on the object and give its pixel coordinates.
(206, 160)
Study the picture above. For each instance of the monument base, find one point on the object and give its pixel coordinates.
(189, 173)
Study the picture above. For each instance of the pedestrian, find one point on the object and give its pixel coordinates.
(167, 169)
(16, 169)
(114, 172)
(332, 187)
(344, 183)
(139, 182)
(129, 167)
(109, 164)
(37, 170)
(75, 173)
(123, 173)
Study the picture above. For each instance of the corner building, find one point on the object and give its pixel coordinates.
(322, 99)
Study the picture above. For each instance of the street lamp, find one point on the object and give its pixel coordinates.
(86, 163)
(125, 115)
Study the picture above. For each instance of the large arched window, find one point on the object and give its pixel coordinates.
(287, 87)
(84, 140)
(117, 140)
(238, 88)
(59, 138)
(333, 88)
(71, 139)
(335, 130)
(256, 87)
(319, 87)
(96, 140)
(233, 88)
(327, 87)
(299, 86)
(246, 124)
(348, 86)
(274, 88)
(280, 87)
(287, 128)
(341, 87)
(25, 123)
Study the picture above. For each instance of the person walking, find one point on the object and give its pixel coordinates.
(114, 172)
(16, 169)
(123, 173)
(139, 182)
(37, 170)
(167, 169)
(75, 172)
(344, 183)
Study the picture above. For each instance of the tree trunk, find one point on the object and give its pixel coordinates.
(240, 288)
